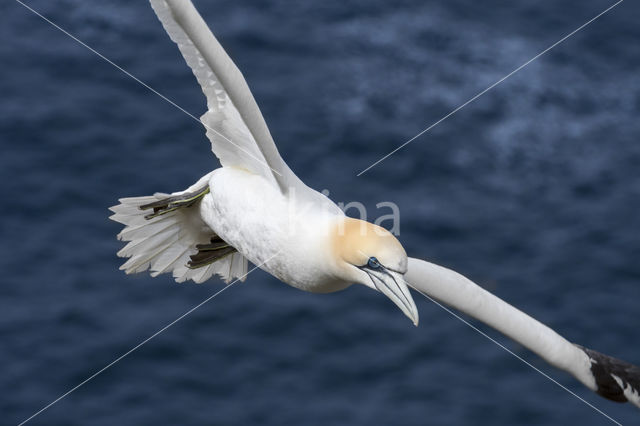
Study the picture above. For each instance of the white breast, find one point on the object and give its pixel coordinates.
(287, 237)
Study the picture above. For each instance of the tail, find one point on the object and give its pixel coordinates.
(167, 234)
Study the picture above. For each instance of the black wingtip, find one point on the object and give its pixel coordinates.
(605, 367)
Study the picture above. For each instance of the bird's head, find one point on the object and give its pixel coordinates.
(369, 254)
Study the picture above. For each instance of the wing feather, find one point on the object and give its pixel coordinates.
(238, 133)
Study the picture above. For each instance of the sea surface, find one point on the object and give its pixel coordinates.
(532, 191)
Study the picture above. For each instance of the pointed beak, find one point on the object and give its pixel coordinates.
(392, 285)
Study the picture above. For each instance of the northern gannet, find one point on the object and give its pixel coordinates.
(254, 208)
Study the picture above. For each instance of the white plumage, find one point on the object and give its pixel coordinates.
(164, 244)
(255, 209)
(231, 140)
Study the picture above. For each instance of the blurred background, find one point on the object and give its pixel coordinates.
(533, 191)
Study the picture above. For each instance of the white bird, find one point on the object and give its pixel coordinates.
(254, 208)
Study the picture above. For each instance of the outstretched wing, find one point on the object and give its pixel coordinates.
(614, 379)
(238, 133)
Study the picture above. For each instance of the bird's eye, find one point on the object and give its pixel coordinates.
(373, 263)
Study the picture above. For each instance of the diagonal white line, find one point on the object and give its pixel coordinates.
(490, 87)
(512, 353)
(94, 375)
(106, 367)
(363, 171)
(145, 85)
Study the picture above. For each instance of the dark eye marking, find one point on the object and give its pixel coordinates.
(374, 263)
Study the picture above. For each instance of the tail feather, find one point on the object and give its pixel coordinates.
(144, 230)
(169, 260)
(166, 242)
(145, 245)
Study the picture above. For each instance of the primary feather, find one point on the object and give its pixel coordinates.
(238, 133)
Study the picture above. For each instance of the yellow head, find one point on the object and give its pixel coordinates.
(369, 254)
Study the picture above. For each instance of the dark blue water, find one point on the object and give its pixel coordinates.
(533, 191)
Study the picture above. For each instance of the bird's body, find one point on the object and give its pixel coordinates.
(288, 236)
(254, 208)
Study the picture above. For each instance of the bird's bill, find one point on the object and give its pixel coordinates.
(392, 285)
